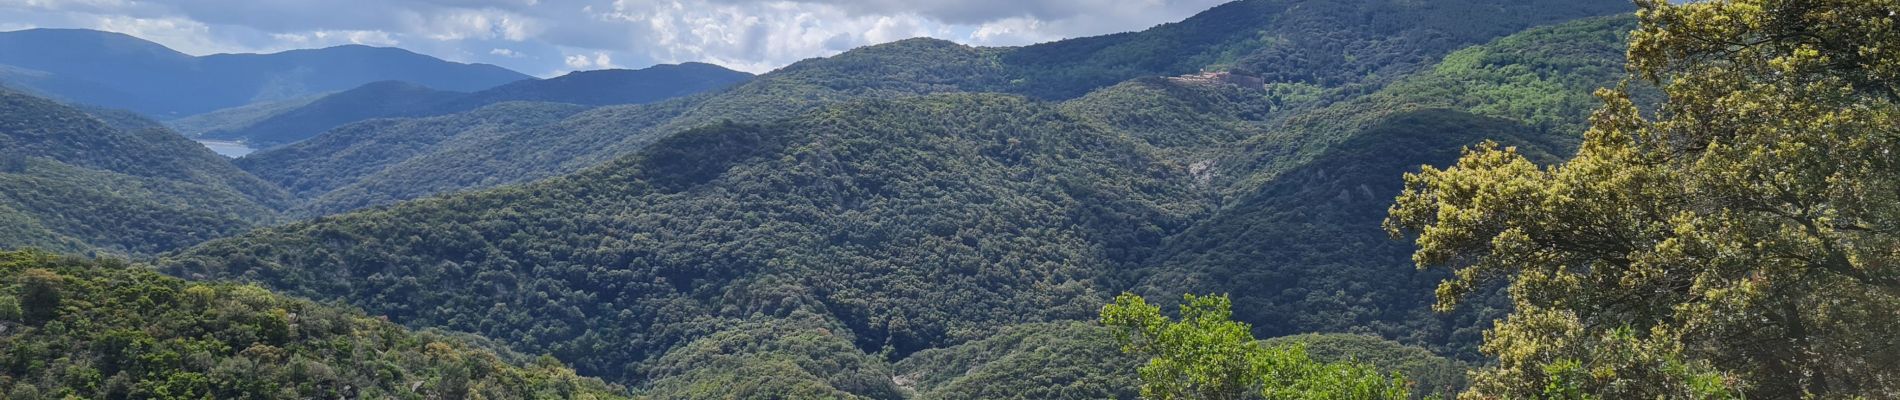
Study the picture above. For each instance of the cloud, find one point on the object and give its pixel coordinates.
(598, 60)
(555, 36)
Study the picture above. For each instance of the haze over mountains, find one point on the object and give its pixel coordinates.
(918, 219)
(119, 71)
(277, 123)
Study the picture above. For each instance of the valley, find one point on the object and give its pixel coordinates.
(1362, 199)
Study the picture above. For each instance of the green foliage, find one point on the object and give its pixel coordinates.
(72, 182)
(10, 309)
(800, 357)
(39, 296)
(909, 221)
(371, 149)
(1307, 55)
(1732, 243)
(1206, 355)
(1331, 44)
(1294, 240)
(914, 224)
(1061, 360)
(1429, 374)
(103, 329)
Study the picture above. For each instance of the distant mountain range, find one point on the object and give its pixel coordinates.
(272, 124)
(120, 71)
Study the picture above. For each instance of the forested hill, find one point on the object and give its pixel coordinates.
(75, 328)
(329, 165)
(120, 71)
(373, 100)
(1323, 43)
(871, 230)
(911, 224)
(921, 66)
(72, 181)
(263, 127)
(1298, 240)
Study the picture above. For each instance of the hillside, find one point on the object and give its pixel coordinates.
(859, 202)
(120, 71)
(74, 182)
(954, 214)
(276, 124)
(360, 151)
(374, 100)
(1297, 240)
(102, 329)
(236, 118)
(923, 66)
(1327, 44)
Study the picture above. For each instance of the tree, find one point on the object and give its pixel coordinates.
(39, 295)
(1208, 356)
(1739, 239)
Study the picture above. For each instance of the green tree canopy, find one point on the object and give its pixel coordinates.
(1206, 355)
(1740, 239)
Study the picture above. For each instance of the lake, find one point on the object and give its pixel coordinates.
(227, 148)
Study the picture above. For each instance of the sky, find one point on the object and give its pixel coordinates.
(552, 37)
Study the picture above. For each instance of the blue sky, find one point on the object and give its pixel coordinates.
(550, 37)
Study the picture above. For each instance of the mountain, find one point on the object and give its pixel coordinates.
(611, 86)
(237, 118)
(865, 216)
(1298, 239)
(923, 66)
(284, 125)
(120, 71)
(103, 329)
(913, 223)
(374, 100)
(329, 165)
(73, 181)
(1322, 43)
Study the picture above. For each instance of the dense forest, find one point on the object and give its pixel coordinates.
(908, 224)
(104, 329)
(923, 66)
(1272, 199)
(77, 181)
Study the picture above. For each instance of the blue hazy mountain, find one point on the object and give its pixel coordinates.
(392, 99)
(120, 71)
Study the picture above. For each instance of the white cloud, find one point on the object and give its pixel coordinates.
(598, 60)
(505, 53)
